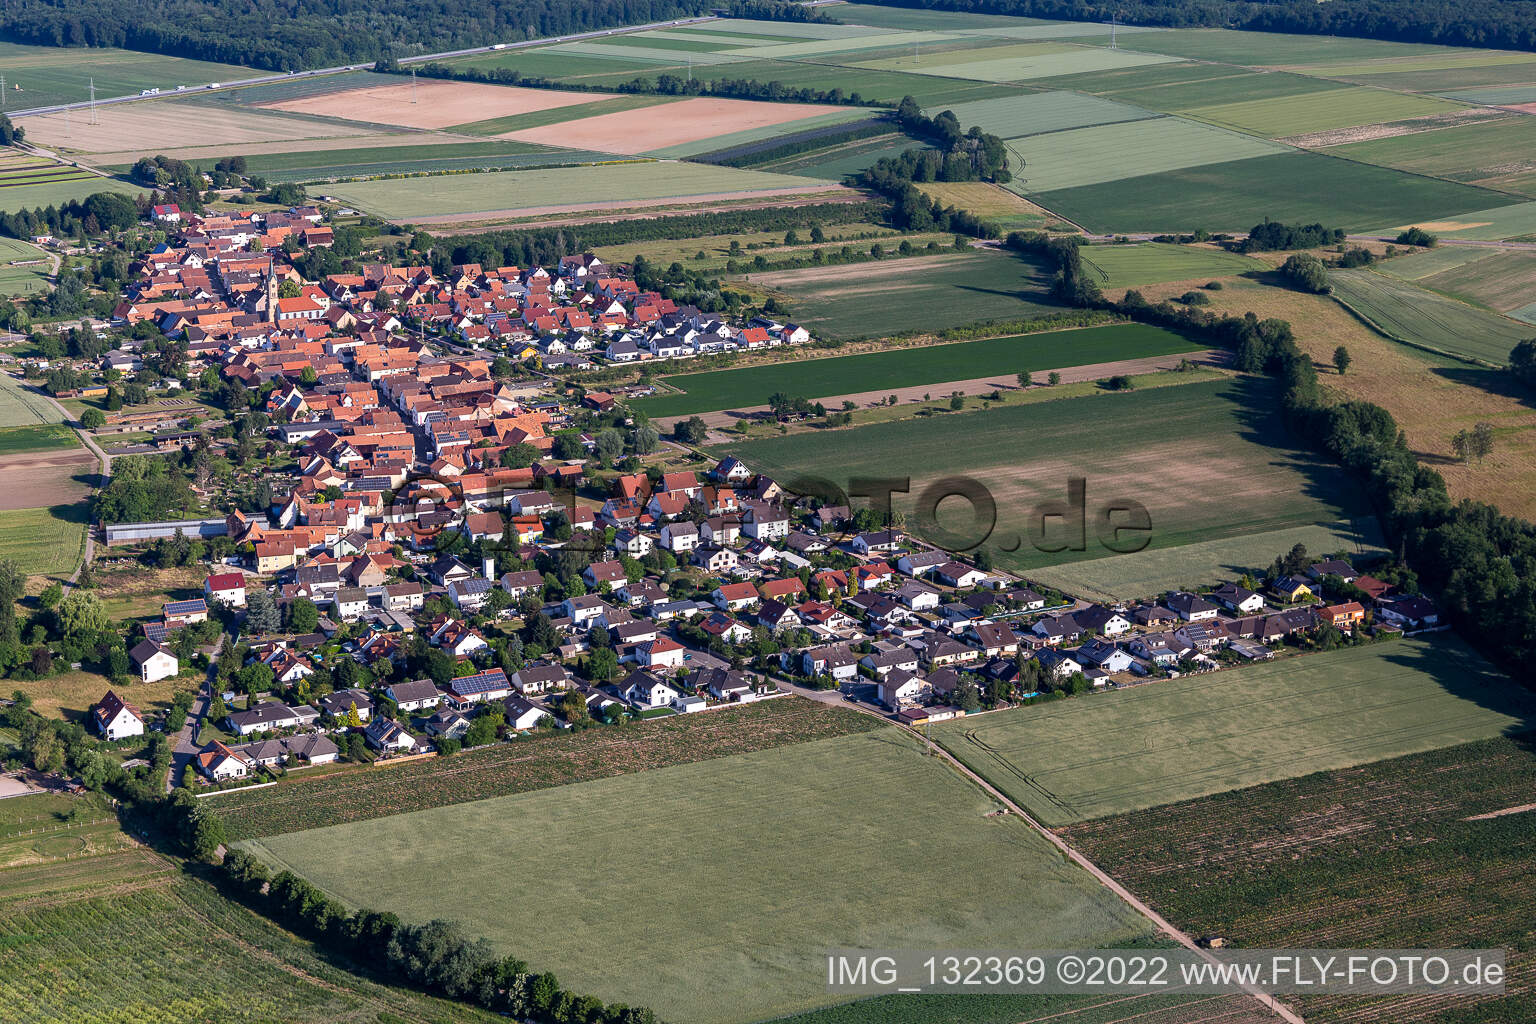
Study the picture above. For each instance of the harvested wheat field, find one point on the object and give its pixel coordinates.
(35, 479)
(438, 103)
(671, 124)
(158, 127)
(1430, 397)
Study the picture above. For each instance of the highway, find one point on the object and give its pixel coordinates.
(242, 83)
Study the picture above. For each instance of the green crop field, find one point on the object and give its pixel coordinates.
(1208, 460)
(1418, 852)
(911, 367)
(1320, 111)
(549, 62)
(1272, 49)
(1503, 281)
(766, 132)
(321, 165)
(42, 541)
(1175, 739)
(1230, 86)
(1513, 221)
(1026, 67)
(1130, 266)
(450, 195)
(835, 162)
(1146, 574)
(1090, 156)
(51, 74)
(1013, 117)
(36, 438)
(1496, 154)
(921, 293)
(1418, 317)
(938, 21)
(123, 937)
(21, 407)
(1290, 187)
(978, 1008)
(642, 927)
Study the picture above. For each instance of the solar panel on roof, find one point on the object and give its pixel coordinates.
(184, 607)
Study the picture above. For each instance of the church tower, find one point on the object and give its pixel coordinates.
(272, 293)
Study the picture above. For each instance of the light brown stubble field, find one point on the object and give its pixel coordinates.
(669, 124)
(438, 103)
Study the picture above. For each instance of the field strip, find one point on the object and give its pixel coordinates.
(811, 187)
(1502, 812)
(998, 382)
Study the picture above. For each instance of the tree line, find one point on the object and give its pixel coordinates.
(1492, 23)
(755, 154)
(437, 957)
(665, 84)
(97, 212)
(1479, 562)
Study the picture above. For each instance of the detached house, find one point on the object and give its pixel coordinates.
(153, 661)
(114, 719)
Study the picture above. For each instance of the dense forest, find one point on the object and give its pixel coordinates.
(285, 35)
(1502, 24)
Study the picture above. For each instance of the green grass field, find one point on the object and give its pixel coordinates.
(1171, 740)
(40, 541)
(1208, 460)
(22, 280)
(36, 438)
(1413, 315)
(1495, 153)
(1146, 574)
(1013, 117)
(1090, 156)
(1410, 853)
(1212, 85)
(1130, 266)
(422, 198)
(1060, 60)
(920, 293)
(824, 844)
(1290, 187)
(22, 407)
(1320, 111)
(54, 74)
(54, 193)
(911, 367)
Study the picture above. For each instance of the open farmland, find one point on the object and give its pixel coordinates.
(1013, 117)
(1320, 111)
(908, 367)
(1431, 397)
(751, 951)
(1147, 574)
(1290, 187)
(43, 541)
(72, 928)
(920, 293)
(431, 103)
(1278, 49)
(1089, 156)
(1208, 460)
(574, 188)
(347, 796)
(677, 124)
(1502, 280)
(1415, 316)
(837, 161)
(450, 154)
(1496, 154)
(1417, 852)
(1174, 739)
(41, 76)
(175, 124)
(20, 405)
(60, 190)
(1127, 266)
(1008, 210)
(36, 438)
(979, 1008)
(1031, 63)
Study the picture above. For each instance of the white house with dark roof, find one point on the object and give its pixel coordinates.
(115, 719)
